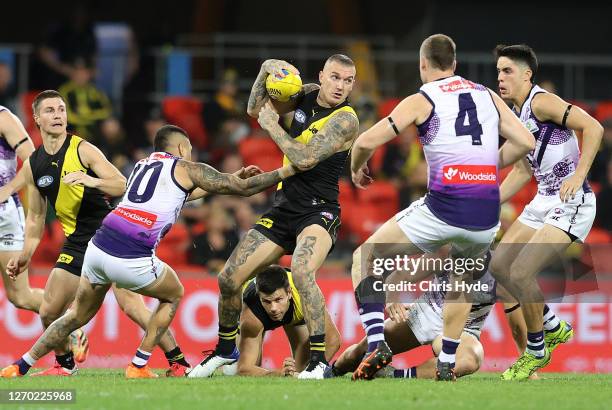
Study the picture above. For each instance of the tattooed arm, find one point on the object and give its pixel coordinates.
(341, 128)
(195, 174)
(259, 95)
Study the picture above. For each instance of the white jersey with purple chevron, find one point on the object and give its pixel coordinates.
(8, 162)
(461, 141)
(483, 300)
(556, 153)
(148, 209)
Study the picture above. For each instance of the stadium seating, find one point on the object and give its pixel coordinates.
(262, 152)
(603, 110)
(186, 112)
(383, 195)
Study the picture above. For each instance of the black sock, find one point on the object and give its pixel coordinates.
(227, 340)
(317, 348)
(66, 360)
(176, 356)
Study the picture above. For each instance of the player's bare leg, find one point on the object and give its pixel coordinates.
(312, 246)
(18, 291)
(252, 253)
(387, 242)
(88, 300)
(455, 312)
(59, 294)
(470, 355)
(132, 304)
(169, 291)
(544, 247)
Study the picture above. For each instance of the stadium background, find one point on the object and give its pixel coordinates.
(127, 70)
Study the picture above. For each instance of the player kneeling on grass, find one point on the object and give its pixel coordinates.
(123, 249)
(271, 300)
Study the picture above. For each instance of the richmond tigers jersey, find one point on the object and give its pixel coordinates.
(150, 206)
(318, 185)
(79, 209)
(556, 153)
(294, 315)
(461, 140)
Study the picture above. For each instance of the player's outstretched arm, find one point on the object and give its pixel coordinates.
(549, 107)
(109, 180)
(242, 173)
(259, 95)
(412, 109)
(200, 175)
(516, 179)
(519, 141)
(341, 128)
(34, 226)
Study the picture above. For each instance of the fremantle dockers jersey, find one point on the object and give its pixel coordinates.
(461, 140)
(556, 153)
(147, 211)
(8, 162)
(483, 301)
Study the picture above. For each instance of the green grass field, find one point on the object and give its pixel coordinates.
(107, 389)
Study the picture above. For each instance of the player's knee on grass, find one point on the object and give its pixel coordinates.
(469, 357)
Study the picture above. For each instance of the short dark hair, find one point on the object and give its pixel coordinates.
(43, 96)
(440, 50)
(518, 53)
(340, 58)
(162, 136)
(271, 279)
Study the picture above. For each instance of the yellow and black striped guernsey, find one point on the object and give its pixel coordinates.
(294, 315)
(79, 209)
(319, 185)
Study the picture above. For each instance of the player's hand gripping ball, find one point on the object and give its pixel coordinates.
(283, 86)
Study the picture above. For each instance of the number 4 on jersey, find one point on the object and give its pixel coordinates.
(467, 120)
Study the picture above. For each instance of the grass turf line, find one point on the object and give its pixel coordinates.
(108, 389)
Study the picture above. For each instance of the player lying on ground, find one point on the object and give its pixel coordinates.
(270, 301)
(563, 209)
(123, 250)
(420, 323)
(305, 216)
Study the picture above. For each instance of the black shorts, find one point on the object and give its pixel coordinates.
(71, 257)
(283, 224)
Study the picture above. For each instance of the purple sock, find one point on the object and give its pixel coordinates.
(410, 373)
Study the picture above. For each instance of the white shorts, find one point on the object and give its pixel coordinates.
(427, 324)
(12, 223)
(574, 217)
(101, 268)
(429, 233)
